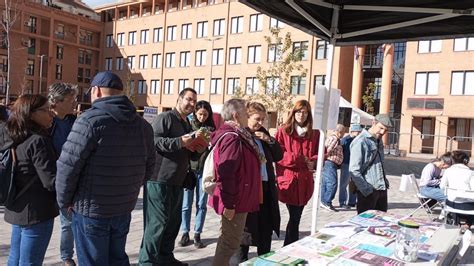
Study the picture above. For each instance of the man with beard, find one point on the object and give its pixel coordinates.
(163, 196)
(366, 166)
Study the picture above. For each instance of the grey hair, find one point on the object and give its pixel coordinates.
(340, 128)
(231, 107)
(58, 91)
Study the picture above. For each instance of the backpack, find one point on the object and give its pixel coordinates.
(208, 174)
(7, 173)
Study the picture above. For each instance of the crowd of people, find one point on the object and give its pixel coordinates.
(90, 169)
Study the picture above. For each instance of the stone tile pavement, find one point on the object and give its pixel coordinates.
(399, 202)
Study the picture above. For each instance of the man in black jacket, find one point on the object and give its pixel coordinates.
(102, 166)
(164, 192)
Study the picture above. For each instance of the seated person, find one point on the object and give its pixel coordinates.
(460, 177)
(431, 177)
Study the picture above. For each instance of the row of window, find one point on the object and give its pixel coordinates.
(434, 46)
(427, 83)
(235, 56)
(251, 85)
(219, 29)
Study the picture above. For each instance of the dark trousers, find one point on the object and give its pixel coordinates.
(293, 228)
(265, 226)
(101, 241)
(377, 200)
(162, 211)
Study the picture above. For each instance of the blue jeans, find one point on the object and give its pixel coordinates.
(329, 184)
(29, 243)
(101, 241)
(67, 237)
(433, 193)
(343, 184)
(201, 208)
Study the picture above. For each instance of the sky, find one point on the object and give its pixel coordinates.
(94, 3)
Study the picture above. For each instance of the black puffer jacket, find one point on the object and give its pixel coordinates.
(36, 159)
(105, 160)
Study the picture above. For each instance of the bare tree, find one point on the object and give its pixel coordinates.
(9, 16)
(275, 81)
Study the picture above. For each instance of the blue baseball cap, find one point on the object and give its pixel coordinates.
(356, 127)
(107, 79)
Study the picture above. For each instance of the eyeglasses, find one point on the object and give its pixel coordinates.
(301, 112)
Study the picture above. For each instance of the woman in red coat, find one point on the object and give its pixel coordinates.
(299, 143)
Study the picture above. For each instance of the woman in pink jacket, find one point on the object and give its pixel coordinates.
(299, 143)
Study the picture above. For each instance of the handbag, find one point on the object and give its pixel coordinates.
(190, 181)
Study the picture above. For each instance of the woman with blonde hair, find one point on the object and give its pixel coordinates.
(299, 143)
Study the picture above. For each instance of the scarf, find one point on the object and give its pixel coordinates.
(301, 131)
(245, 134)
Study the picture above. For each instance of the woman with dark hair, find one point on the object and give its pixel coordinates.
(458, 176)
(202, 120)
(431, 177)
(299, 143)
(32, 212)
(261, 225)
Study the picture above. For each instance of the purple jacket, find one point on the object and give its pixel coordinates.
(238, 174)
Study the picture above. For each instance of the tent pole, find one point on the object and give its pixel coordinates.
(322, 133)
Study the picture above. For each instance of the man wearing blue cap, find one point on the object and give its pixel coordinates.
(102, 166)
(366, 166)
(346, 141)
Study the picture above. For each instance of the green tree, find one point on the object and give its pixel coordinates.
(275, 81)
(368, 99)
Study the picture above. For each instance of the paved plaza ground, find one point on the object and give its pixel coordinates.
(399, 202)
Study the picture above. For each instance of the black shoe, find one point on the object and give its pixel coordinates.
(184, 240)
(197, 241)
(69, 262)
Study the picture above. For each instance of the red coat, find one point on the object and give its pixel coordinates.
(237, 170)
(295, 181)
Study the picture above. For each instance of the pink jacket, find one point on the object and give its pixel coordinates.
(295, 181)
(238, 174)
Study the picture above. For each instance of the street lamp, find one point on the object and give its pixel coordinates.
(212, 54)
(41, 72)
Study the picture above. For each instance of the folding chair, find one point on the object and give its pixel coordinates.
(459, 201)
(425, 202)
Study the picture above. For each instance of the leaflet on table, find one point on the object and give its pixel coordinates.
(312, 257)
(360, 257)
(341, 230)
(377, 250)
(366, 237)
(276, 259)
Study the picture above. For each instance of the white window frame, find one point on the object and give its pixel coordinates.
(144, 36)
(186, 31)
(142, 61)
(463, 44)
(170, 60)
(200, 58)
(216, 86)
(232, 84)
(171, 32)
(300, 90)
(185, 59)
(426, 83)
(156, 61)
(256, 22)
(183, 84)
(303, 46)
(235, 55)
(237, 25)
(202, 29)
(157, 35)
(218, 56)
(199, 85)
(273, 85)
(254, 54)
(132, 38)
(274, 53)
(322, 45)
(275, 23)
(316, 81)
(168, 86)
(465, 84)
(155, 86)
(252, 85)
(219, 27)
(429, 46)
(131, 62)
(121, 39)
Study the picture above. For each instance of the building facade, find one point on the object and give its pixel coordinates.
(47, 45)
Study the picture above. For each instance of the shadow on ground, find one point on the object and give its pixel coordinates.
(398, 166)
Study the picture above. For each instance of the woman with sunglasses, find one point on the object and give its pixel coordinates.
(32, 212)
